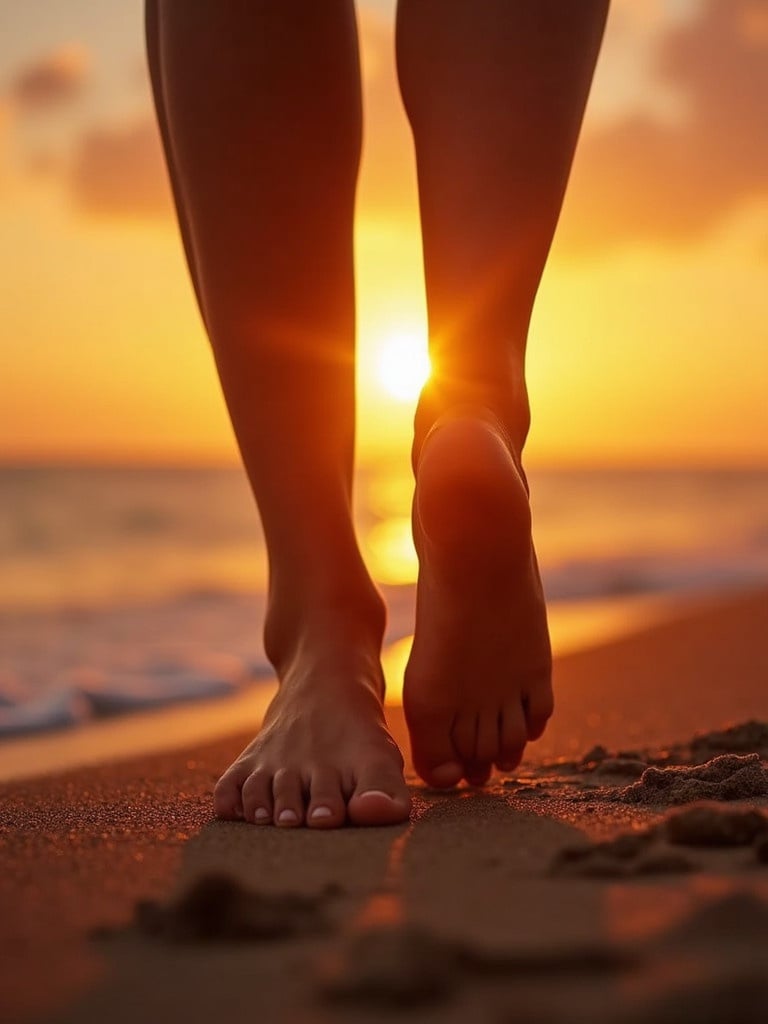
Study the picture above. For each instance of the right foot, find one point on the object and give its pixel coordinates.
(477, 685)
(324, 756)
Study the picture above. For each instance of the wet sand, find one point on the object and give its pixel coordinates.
(584, 888)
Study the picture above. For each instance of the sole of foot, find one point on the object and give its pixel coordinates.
(478, 681)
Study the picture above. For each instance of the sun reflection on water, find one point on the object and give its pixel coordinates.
(390, 553)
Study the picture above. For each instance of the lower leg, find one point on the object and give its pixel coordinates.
(260, 104)
(495, 93)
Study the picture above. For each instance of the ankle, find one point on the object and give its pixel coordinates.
(336, 615)
(504, 396)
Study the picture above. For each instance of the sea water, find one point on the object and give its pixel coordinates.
(132, 588)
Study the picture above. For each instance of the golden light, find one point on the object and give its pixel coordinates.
(393, 660)
(402, 365)
(390, 553)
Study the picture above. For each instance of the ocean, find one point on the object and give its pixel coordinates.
(131, 588)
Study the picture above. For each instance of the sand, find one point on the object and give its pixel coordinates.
(550, 897)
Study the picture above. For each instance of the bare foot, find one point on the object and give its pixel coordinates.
(323, 756)
(478, 682)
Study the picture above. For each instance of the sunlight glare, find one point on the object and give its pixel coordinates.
(402, 365)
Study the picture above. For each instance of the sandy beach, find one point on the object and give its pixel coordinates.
(584, 888)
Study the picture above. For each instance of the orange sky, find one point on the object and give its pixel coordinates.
(649, 338)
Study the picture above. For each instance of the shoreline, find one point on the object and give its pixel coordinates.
(577, 626)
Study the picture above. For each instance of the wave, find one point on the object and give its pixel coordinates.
(72, 667)
(576, 579)
(92, 693)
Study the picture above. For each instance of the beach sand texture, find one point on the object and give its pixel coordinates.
(585, 888)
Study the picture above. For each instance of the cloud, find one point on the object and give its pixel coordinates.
(645, 179)
(53, 80)
(121, 172)
(639, 177)
(112, 169)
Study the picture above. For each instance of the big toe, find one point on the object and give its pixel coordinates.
(380, 797)
(434, 756)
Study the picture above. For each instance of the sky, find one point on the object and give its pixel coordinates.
(649, 338)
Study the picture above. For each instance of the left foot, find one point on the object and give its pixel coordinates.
(324, 756)
(478, 681)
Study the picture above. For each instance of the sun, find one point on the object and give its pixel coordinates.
(402, 365)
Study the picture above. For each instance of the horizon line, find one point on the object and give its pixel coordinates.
(671, 464)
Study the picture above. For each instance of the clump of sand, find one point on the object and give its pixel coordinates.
(699, 769)
(393, 966)
(651, 851)
(627, 855)
(629, 767)
(709, 824)
(600, 761)
(747, 737)
(599, 755)
(727, 777)
(404, 965)
(216, 908)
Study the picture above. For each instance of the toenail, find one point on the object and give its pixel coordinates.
(288, 816)
(261, 814)
(376, 792)
(321, 812)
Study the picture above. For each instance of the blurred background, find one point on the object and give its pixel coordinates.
(131, 565)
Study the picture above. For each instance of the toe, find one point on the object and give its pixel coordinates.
(434, 756)
(326, 804)
(477, 773)
(288, 798)
(513, 736)
(227, 799)
(257, 797)
(539, 705)
(380, 797)
(464, 734)
(488, 743)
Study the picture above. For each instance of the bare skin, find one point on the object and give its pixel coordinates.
(478, 681)
(260, 113)
(495, 94)
(323, 756)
